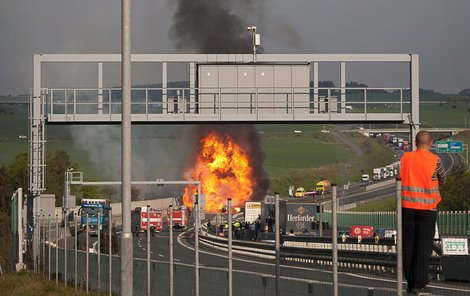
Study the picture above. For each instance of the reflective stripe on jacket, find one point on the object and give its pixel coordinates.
(419, 191)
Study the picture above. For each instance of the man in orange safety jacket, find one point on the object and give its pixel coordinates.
(421, 172)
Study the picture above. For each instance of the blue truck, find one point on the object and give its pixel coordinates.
(91, 208)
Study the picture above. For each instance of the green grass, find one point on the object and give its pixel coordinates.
(285, 152)
(445, 115)
(463, 136)
(289, 128)
(13, 125)
(340, 172)
(28, 284)
(381, 205)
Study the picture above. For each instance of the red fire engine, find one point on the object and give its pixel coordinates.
(139, 220)
(180, 217)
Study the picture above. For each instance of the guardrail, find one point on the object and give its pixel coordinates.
(366, 254)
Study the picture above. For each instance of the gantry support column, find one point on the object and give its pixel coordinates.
(414, 79)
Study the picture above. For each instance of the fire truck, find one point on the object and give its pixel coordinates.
(139, 220)
(180, 217)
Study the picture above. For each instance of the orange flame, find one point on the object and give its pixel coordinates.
(224, 169)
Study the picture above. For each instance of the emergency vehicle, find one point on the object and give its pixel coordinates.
(179, 218)
(139, 220)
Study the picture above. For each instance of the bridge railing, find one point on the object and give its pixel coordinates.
(322, 101)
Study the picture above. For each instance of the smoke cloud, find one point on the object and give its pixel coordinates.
(218, 27)
(214, 26)
(158, 151)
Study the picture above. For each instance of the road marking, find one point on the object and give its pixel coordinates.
(160, 255)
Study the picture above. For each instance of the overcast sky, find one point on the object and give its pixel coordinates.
(439, 31)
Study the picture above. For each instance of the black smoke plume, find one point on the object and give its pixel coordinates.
(214, 26)
(217, 27)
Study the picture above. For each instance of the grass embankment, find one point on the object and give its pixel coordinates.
(463, 136)
(382, 205)
(287, 151)
(344, 165)
(25, 284)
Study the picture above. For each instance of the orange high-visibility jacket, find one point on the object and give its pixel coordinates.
(419, 191)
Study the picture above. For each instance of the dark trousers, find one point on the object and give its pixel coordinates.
(418, 237)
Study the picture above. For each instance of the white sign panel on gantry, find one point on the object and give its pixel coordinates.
(253, 88)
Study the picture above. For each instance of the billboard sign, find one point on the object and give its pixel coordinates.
(252, 210)
(300, 217)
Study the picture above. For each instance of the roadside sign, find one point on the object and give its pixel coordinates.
(449, 146)
(363, 231)
(454, 246)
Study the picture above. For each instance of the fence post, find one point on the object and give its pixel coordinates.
(110, 272)
(229, 237)
(277, 236)
(196, 243)
(65, 248)
(399, 241)
(98, 226)
(76, 248)
(43, 245)
(334, 236)
(171, 249)
(321, 219)
(148, 250)
(49, 246)
(56, 249)
(39, 230)
(87, 253)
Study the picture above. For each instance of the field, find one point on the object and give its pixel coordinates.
(289, 155)
(300, 151)
(445, 115)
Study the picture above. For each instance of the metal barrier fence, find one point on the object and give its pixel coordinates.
(213, 281)
(456, 223)
(299, 266)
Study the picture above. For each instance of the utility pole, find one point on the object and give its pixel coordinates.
(126, 248)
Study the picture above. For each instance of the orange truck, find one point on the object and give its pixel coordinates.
(323, 187)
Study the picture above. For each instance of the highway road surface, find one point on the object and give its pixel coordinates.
(209, 257)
